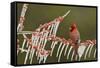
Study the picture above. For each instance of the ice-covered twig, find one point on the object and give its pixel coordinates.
(22, 18)
(66, 14)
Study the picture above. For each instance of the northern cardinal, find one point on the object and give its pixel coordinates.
(75, 37)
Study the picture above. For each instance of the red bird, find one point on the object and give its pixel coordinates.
(75, 37)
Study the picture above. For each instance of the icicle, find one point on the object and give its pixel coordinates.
(45, 39)
(23, 44)
(53, 46)
(40, 40)
(17, 49)
(33, 51)
(76, 57)
(41, 58)
(59, 49)
(79, 59)
(17, 46)
(87, 51)
(61, 52)
(43, 54)
(36, 41)
(27, 55)
(52, 26)
(94, 54)
(90, 50)
(72, 55)
(17, 52)
(34, 38)
(45, 58)
(48, 27)
(28, 42)
(46, 35)
(37, 55)
(69, 51)
(33, 43)
(66, 49)
(55, 27)
(39, 43)
(30, 55)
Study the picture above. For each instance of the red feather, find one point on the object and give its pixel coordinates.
(75, 37)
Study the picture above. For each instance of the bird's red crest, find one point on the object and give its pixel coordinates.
(73, 26)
